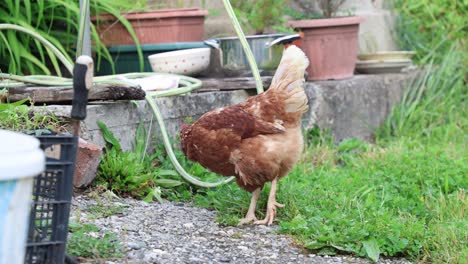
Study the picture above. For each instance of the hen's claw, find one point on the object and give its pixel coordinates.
(250, 216)
(271, 206)
(270, 214)
(278, 205)
(248, 219)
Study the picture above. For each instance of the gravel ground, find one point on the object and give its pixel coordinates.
(180, 233)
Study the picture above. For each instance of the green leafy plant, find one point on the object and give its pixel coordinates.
(83, 242)
(316, 9)
(175, 4)
(134, 172)
(55, 20)
(18, 116)
(431, 27)
(259, 15)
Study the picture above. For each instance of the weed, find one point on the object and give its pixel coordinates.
(133, 173)
(101, 210)
(87, 241)
(18, 116)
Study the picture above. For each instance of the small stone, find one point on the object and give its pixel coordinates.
(151, 256)
(195, 259)
(136, 254)
(242, 248)
(188, 225)
(136, 245)
(130, 227)
(159, 251)
(225, 259)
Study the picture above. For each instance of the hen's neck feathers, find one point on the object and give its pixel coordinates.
(291, 68)
(289, 79)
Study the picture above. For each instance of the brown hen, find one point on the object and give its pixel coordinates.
(256, 141)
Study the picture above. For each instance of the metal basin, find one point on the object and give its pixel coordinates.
(235, 61)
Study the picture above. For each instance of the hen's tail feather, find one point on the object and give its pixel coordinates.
(289, 79)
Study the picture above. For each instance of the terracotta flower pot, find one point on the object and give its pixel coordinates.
(331, 45)
(160, 26)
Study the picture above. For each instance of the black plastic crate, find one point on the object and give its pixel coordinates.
(50, 208)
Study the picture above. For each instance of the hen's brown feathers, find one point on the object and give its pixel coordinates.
(260, 139)
(216, 134)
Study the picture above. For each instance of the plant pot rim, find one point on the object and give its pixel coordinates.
(326, 22)
(161, 13)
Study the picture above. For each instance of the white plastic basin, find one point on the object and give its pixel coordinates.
(20, 160)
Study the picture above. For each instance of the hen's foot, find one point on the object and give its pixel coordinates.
(270, 213)
(250, 216)
(248, 219)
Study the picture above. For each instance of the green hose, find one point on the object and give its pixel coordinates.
(150, 98)
(245, 46)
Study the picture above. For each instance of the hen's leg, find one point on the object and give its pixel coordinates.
(251, 213)
(271, 207)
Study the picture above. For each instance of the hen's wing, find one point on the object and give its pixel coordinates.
(211, 140)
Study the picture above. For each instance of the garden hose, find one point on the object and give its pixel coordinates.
(150, 98)
(245, 46)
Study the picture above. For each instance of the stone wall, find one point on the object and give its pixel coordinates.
(350, 108)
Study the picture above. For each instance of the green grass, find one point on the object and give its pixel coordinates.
(405, 199)
(435, 105)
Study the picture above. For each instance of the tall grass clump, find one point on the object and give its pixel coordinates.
(58, 22)
(434, 105)
(431, 27)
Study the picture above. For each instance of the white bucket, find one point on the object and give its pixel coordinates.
(20, 160)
